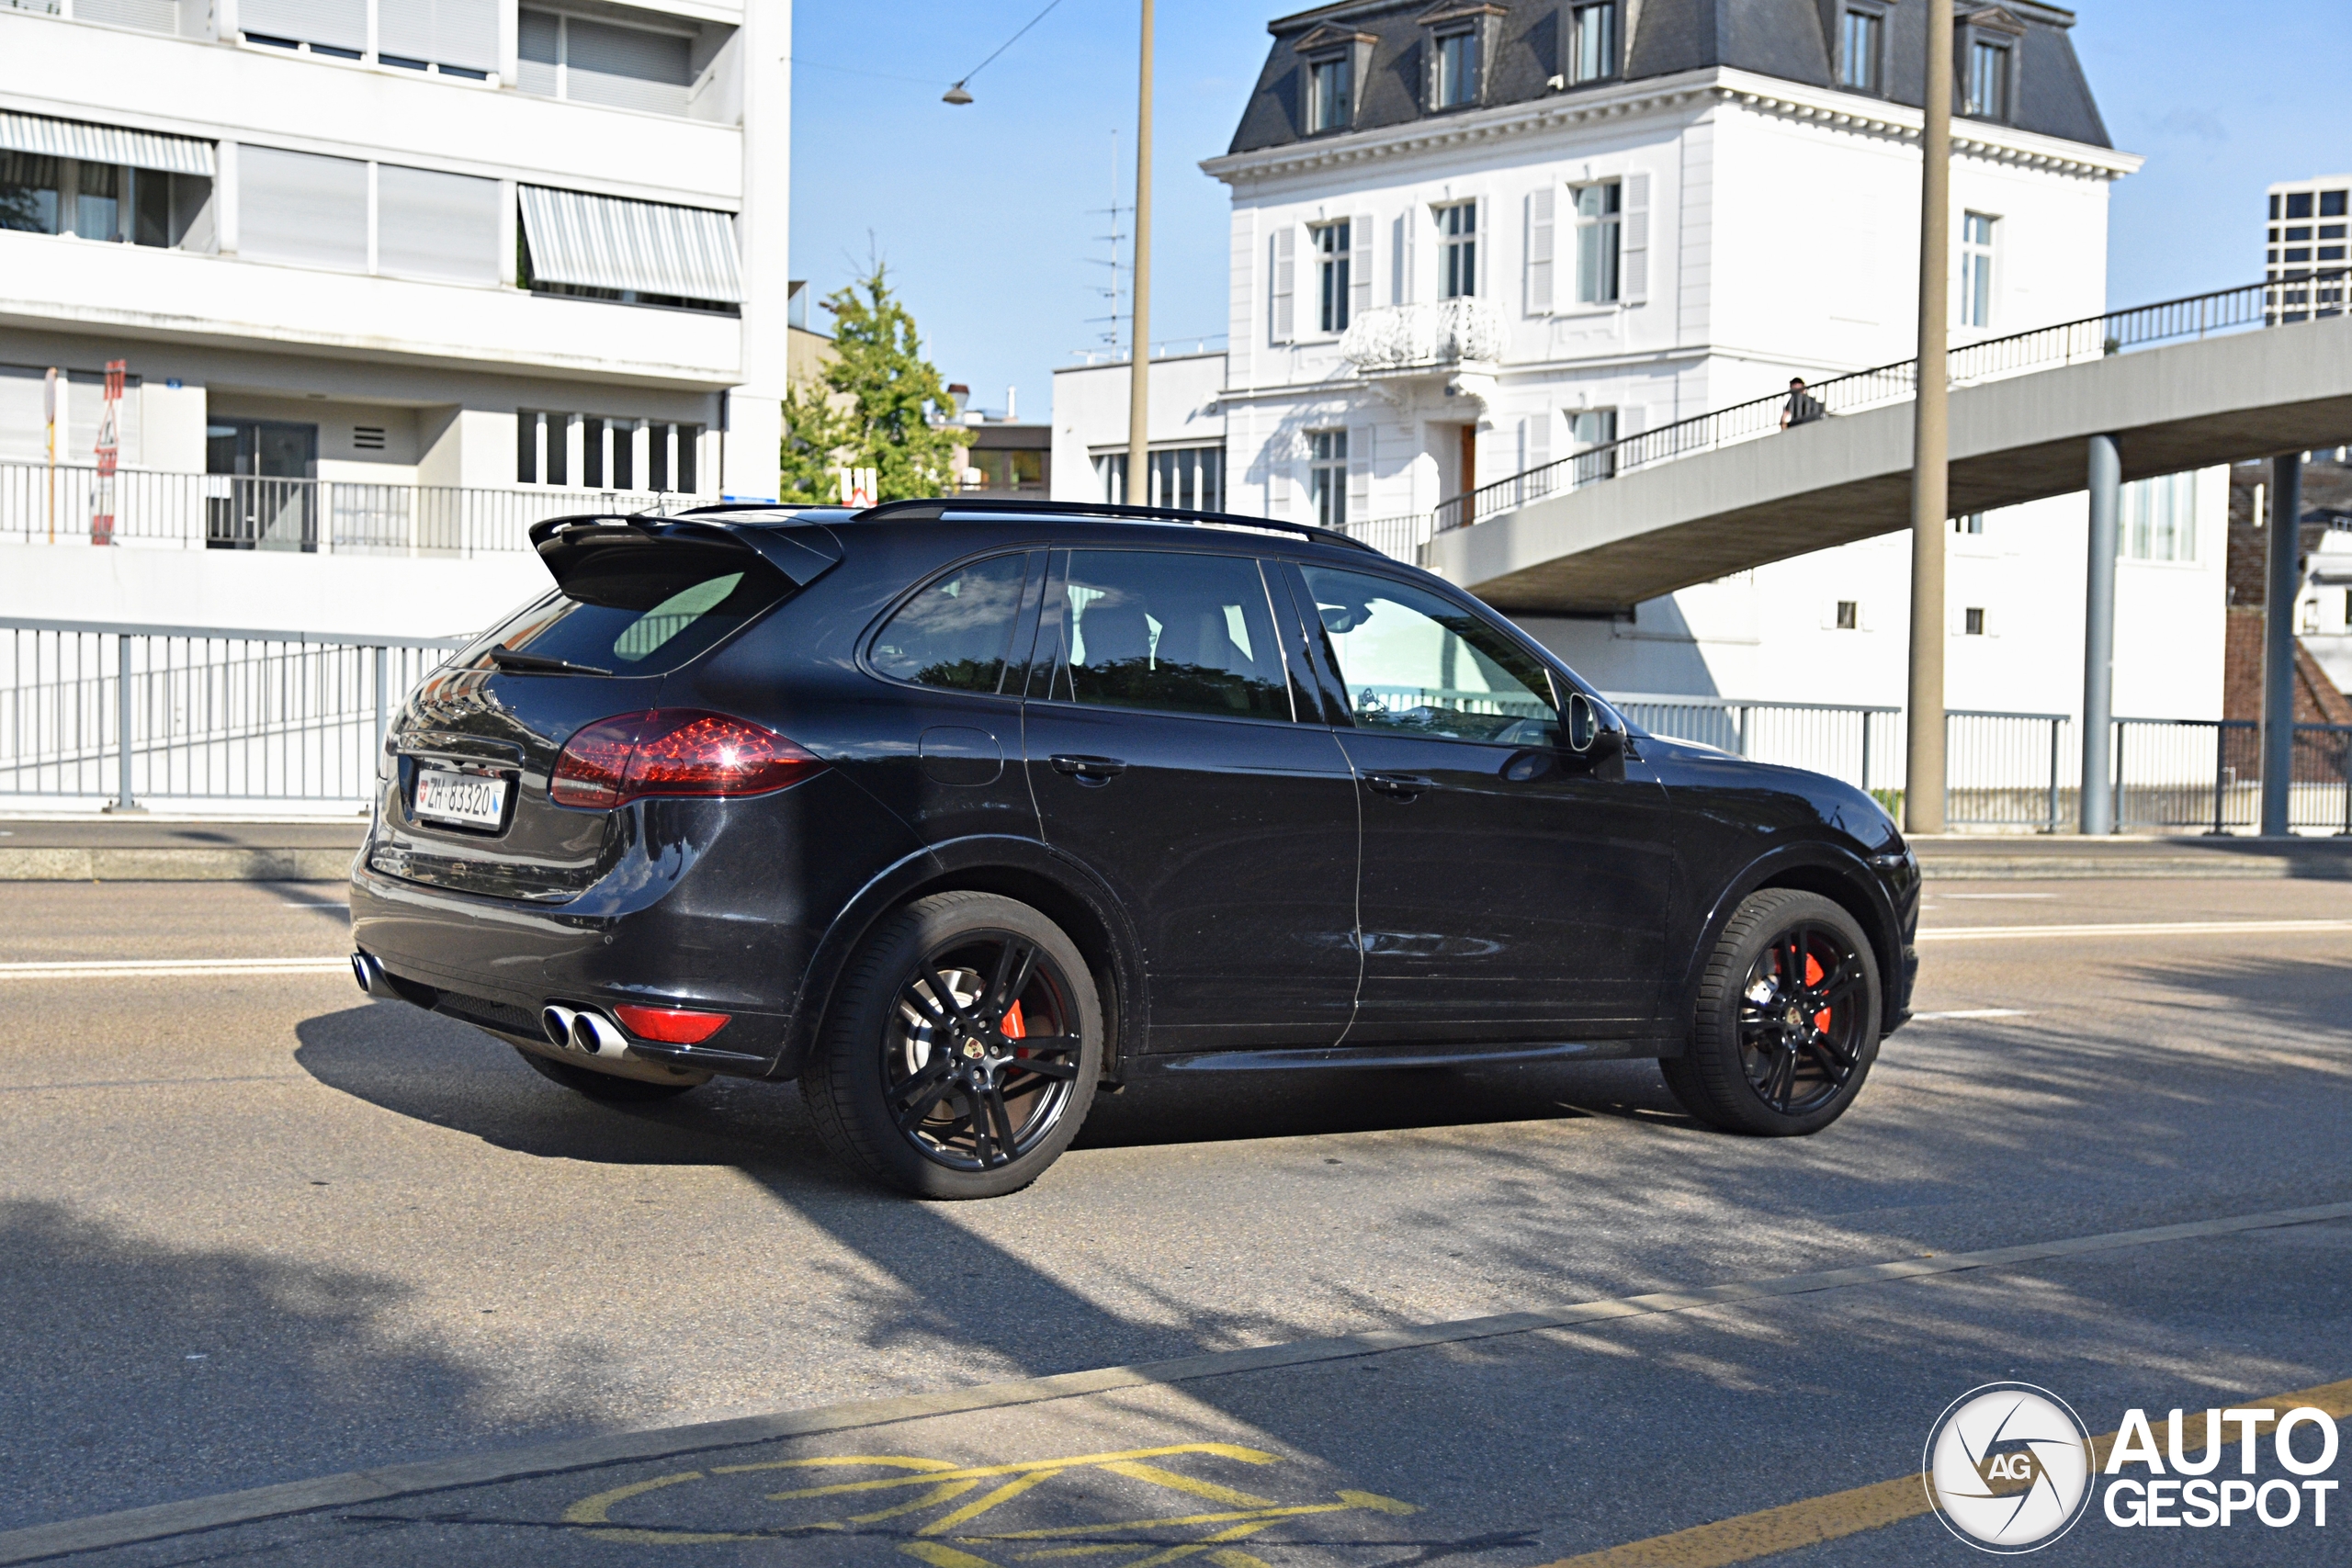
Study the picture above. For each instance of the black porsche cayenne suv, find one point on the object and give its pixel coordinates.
(958, 812)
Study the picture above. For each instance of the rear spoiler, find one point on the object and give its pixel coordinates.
(801, 551)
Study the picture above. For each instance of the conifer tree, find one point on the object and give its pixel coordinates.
(873, 406)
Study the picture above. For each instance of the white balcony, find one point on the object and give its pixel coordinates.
(1438, 337)
(145, 509)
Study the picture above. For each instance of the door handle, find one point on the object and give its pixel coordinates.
(1090, 770)
(1398, 786)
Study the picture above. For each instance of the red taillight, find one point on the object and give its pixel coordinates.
(673, 751)
(669, 1026)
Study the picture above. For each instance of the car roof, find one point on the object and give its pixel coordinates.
(1013, 515)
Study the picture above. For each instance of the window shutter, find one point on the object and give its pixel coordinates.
(1481, 269)
(1538, 252)
(297, 206)
(536, 42)
(435, 225)
(1283, 255)
(1534, 441)
(338, 24)
(1635, 278)
(1359, 266)
(1359, 439)
(627, 68)
(447, 32)
(1400, 267)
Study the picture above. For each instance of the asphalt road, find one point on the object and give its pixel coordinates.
(259, 1229)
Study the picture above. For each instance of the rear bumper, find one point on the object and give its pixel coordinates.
(717, 906)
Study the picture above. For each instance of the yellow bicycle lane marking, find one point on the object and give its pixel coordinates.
(1817, 1519)
(1243, 1514)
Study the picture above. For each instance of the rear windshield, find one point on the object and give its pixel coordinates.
(643, 610)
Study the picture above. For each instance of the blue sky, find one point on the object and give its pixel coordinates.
(985, 213)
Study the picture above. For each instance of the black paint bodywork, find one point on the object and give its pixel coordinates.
(1242, 898)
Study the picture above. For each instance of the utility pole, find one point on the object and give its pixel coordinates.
(1139, 371)
(1923, 789)
(2283, 584)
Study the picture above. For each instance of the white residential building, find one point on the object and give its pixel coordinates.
(1475, 236)
(390, 279)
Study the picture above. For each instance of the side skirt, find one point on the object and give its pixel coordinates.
(1376, 1056)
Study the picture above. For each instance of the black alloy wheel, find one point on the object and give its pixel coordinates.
(980, 1067)
(960, 1055)
(1799, 1017)
(1787, 1021)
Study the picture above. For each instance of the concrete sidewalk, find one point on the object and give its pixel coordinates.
(146, 849)
(2012, 856)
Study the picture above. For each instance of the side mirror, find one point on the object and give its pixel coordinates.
(1584, 723)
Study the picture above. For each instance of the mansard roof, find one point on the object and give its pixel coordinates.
(1793, 40)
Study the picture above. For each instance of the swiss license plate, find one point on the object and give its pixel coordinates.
(476, 800)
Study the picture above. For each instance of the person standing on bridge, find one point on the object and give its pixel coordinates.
(1802, 407)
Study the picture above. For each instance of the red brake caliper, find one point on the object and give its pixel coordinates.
(1813, 977)
(1013, 1028)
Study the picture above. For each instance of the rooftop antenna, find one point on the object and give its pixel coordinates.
(1116, 290)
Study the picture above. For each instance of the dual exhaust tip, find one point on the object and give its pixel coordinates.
(577, 1028)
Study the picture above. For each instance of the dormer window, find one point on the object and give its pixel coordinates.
(1337, 61)
(1458, 68)
(1861, 50)
(1331, 94)
(1459, 44)
(1592, 42)
(1986, 51)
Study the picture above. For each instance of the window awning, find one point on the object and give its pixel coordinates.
(105, 144)
(601, 242)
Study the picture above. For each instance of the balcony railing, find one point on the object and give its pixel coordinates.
(1423, 337)
(2252, 307)
(144, 509)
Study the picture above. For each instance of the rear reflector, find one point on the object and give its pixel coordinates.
(669, 1026)
(678, 752)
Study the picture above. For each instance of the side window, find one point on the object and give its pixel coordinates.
(1418, 664)
(1181, 633)
(955, 633)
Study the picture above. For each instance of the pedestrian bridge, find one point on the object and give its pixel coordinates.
(1702, 499)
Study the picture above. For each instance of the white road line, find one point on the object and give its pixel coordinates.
(173, 968)
(1973, 1012)
(2136, 928)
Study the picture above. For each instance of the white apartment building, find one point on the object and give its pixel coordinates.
(1473, 236)
(390, 279)
(2304, 235)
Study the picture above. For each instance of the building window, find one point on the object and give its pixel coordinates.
(1600, 224)
(1332, 275)
(608, 452)
(1457, 228)
(45, 195)
(1458, 68)
(1971, 622)
(1858, 64)
(1849, 615)
(1592, 42)
(1988, 80)
(1969, 522)
(1326, 476)
(446, 37)
(1975, 270)
(1589, 429)
(2159, 520)
(1331, 94)
(1191, 479)
(2310, 617)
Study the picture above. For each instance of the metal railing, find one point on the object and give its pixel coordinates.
(1399, 538)
(40, 504)
(1847, 740)
(135, 712)
(2251, 306)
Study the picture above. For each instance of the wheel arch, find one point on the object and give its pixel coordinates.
(1832, 872)
(1022, 869)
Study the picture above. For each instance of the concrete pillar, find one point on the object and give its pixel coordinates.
(2283, 583)
(1924, 767)
(2106, 483)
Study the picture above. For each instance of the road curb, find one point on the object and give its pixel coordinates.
(41, 1542)
(88, 864)
(2195, 867)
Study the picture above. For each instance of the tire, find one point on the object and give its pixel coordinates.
(949, 1101)
(609, 1087)
(1772, 1058)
